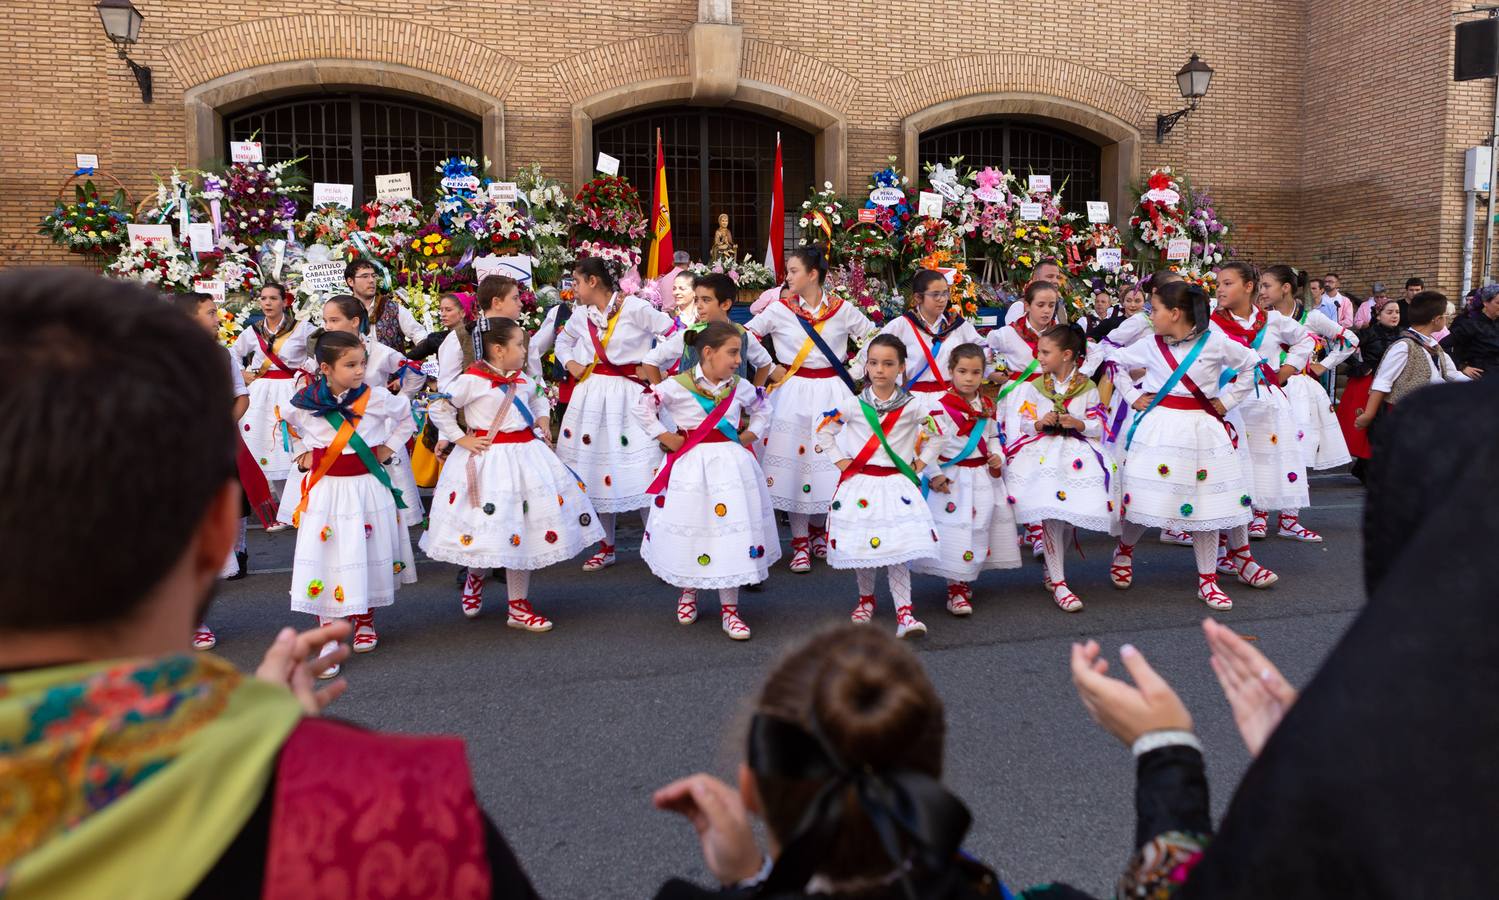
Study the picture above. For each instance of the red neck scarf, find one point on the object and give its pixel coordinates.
(488, 373)
(1023, 328)
(831, 303)
(963, 412)
(1238, 332)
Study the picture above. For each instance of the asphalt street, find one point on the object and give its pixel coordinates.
(569, 732)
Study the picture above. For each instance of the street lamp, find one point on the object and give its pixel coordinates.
(122, 24)
(1192, 81)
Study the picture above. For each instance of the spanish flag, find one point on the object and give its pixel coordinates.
(661, 253)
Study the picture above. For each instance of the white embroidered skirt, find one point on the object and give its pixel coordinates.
(879, 520)
(352, 552)
(602, 443)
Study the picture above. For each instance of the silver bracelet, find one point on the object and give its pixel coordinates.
(1155, 740)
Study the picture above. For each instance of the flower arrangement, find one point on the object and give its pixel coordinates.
(822, 215)
(747, 273)
(458, 193)
(257, 200)
(926, 236)
(427, 260)
(329, 225)
(531, 311)
(1086, 243)
(1158, 217)
(393, 217)
(607, 209)
(89, 224)
(496, 228)
(887, 197)
(547, 203)
(621, 259)
(430, 245)
(178, 188)
(1208, 232)
(422, 301)
(869, 244)
(232, 320)
(873, 297)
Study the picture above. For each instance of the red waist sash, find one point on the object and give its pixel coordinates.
(608, 368)
(506, 437)
(928, 387)
(971, 463)
(809, 372)
(879, 471)
(347, 464)
(1171, 401)
(278, 375)
(713, 437)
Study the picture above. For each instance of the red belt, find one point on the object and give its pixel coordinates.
(607, 368)
(972, 463)
(279, 375)
(809, 372)
(879, 471)
(716, 436)
(928, 387)
(506, 437)
(347, 464)
(1172, 401)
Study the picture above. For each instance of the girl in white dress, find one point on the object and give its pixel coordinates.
(1014, 348)
(609, 336)
(975, 519)
(1266, 424)
(800, 476)
(930, 329)
(1322, 443)
(1058, 473)
(382, 367)
(877, 518)
(1181, 468)
(352, 552)
(276, 347)
(711, 524)
(504, 498)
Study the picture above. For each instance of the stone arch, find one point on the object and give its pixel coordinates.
(1072, 97)
(658, 71)
(231, 67)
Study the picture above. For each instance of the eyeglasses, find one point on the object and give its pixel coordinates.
(935, 295)
(369, 275)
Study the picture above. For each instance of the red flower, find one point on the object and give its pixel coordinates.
(1160, 181)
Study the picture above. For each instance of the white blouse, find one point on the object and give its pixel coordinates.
(1319, 324)
(386, 420)
(1011, 352)
(380, 366)
(480, 400)
(953, 442)
(1028, 407)
(913, 422)
(668, 353)
(1219, 355)
(1279, 330)
(639, 325)
(916, 360)
(236, 377)
(547, 337)
(686, 413)
(779, 324)
(293, 349)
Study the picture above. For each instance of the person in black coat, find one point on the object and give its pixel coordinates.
(1473, 340)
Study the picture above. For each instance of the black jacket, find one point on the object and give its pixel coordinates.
(1474, 341)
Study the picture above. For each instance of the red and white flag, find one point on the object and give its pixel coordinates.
(775, 258)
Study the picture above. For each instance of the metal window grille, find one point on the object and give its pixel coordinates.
(351, 138)
(1020, 147)
(717, 162)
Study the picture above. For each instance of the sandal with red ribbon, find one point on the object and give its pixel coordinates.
(733, 626)
(204, 638)
(1290, 527)
(687, 607)
(864, 612)
(1250, 572)
(801, 555)
(959, 599)
(522, 616)
(365, 638)
(907, 625)
(1066, 600)
(1259, 525)
(473, 594)
(819, 537)
(600, 560)
(1122, 569)
(1209, 592)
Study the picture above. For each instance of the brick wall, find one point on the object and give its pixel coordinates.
(1326, 140)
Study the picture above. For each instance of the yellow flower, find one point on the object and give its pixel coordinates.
(433, 238)
(416, 245)
(1025, 260)
(1043, 229)
(426, 251)
(1020, 232)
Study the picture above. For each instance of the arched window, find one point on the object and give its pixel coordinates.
(1021, 147)
(717, 161)
(349, 138)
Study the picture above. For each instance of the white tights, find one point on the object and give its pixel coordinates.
(900, 584)
(1204, 543)
(728, 598)
(1054, 547)
(800, 523)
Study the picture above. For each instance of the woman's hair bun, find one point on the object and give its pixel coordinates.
(871, 708)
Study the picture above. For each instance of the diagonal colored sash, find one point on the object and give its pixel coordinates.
(704, 428)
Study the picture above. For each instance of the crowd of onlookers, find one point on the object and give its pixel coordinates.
(132, 767)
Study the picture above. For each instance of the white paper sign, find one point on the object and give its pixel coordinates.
(608, 164)
(1040, 184)
(325, 278)
(1030, 212)
(990, 194)
(430, 367)
(1109, 258)
(340, 194)
(517, 267)
(155, 235)
(214, 289)
(887, 196)
(462, 183)
(1098, 211)
(245, 151)
(1179, 249)
(930, 204)
(200, 237)
(503, 192)
(396, 186)
(87, 160)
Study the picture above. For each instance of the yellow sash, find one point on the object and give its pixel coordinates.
(276, 344)
(330, 456)
(801, 357)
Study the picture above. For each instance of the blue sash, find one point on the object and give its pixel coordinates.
(1171, 382)
(525, 413)
(828, 354)
(974, 436)
(729, 431)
